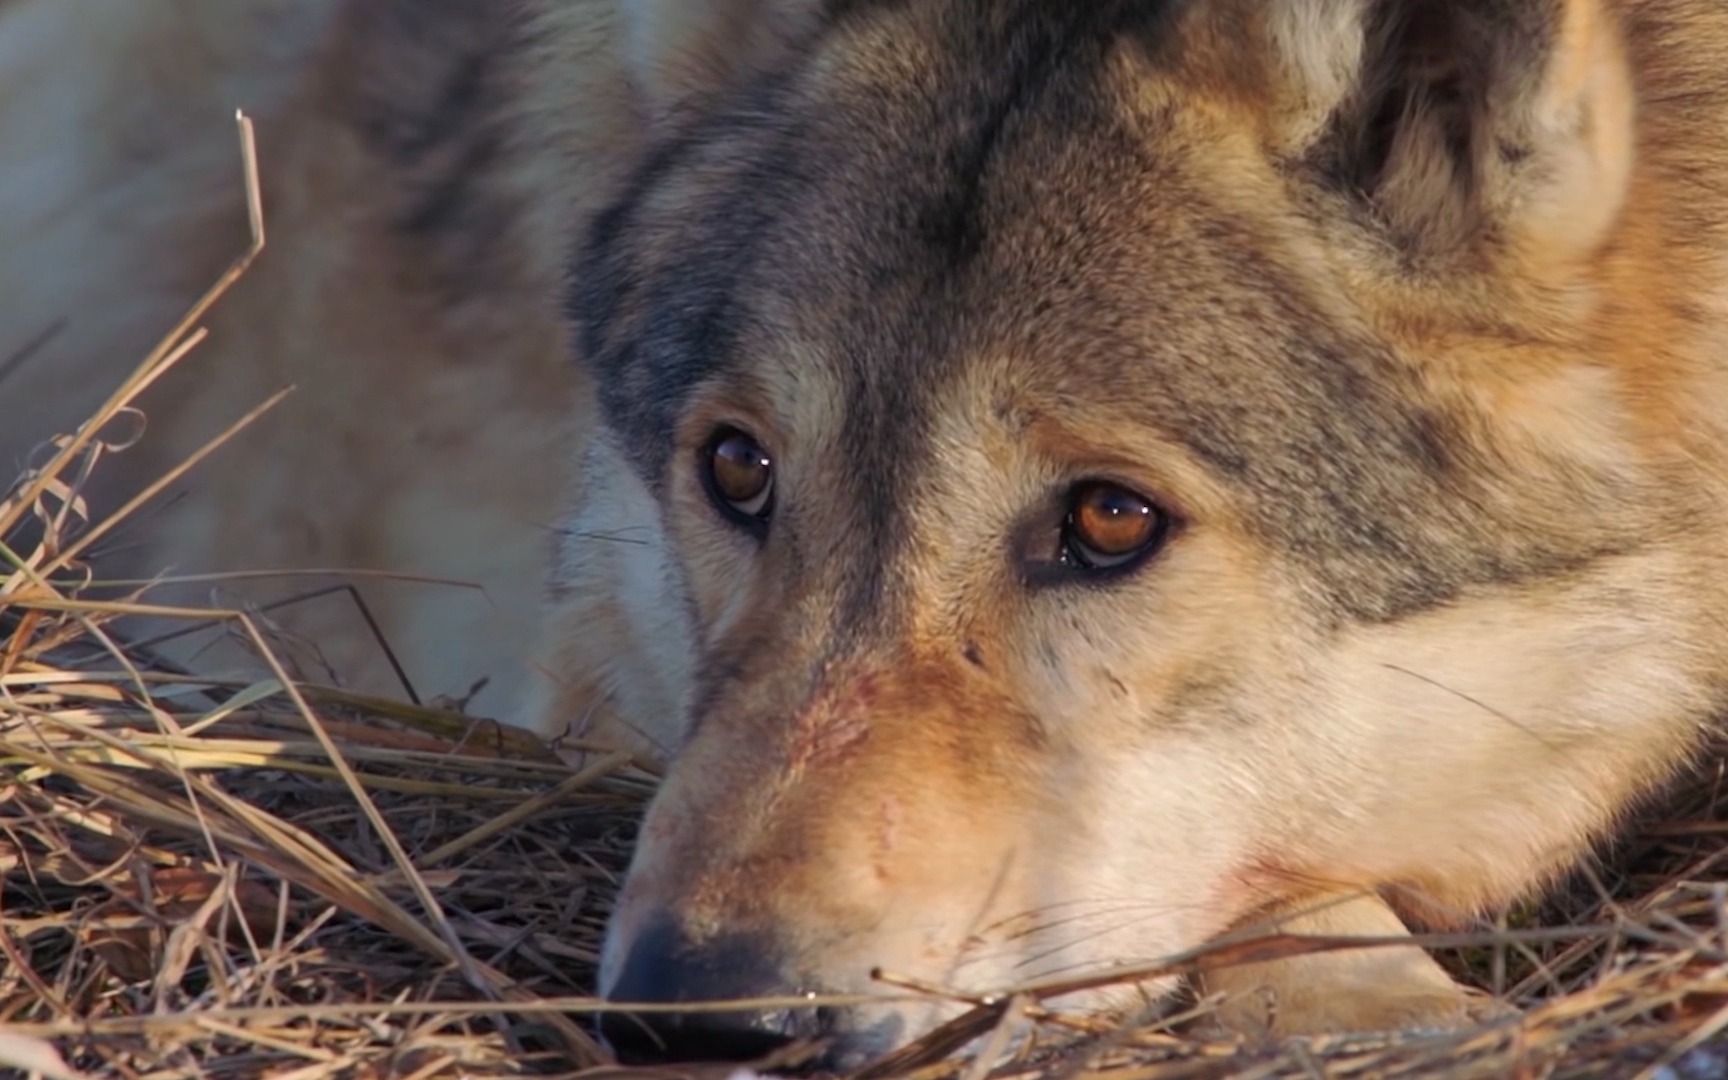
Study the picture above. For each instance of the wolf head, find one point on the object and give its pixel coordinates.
(1077, 477)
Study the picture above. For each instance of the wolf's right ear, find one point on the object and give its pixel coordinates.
(1461, 122)
(681, 51)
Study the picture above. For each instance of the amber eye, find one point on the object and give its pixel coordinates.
(739, 476)
(1110, 527)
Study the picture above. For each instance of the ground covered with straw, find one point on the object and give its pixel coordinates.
(256, 876)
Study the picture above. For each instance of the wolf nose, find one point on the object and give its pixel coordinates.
(665, 966)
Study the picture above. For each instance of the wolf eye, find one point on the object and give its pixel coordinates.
(739, 476)
(1110, 527)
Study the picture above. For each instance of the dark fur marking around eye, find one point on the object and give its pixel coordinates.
(602, 272)
(658, 313)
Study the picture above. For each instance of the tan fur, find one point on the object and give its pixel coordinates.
(384, 457)
(1370, 988)
(985, 783)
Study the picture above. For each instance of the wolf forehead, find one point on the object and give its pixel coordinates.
(922, 190)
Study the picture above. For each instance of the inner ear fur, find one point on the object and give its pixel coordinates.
(1463, 125)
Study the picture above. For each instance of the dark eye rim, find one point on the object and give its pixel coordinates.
(1069, 567)
(1077, 550)
(753, 522)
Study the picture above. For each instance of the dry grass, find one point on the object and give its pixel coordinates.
(220, 877)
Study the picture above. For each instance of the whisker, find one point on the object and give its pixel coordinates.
(1546, 743)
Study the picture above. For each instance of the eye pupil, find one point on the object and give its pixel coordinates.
(740, 468)
(740, 475)
(1108, 526)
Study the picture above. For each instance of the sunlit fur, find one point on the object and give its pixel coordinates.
(1410, 313)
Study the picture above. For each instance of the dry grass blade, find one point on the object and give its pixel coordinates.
(83, 543)
(163, 356)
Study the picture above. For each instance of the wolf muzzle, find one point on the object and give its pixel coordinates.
(666, 966)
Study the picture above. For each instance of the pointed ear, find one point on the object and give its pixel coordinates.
(1461, 122)
(680, 51)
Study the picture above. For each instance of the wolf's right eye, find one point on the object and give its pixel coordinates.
(739, 476)
(1110, 527)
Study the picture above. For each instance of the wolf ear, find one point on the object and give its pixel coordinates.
(680, 51)
(1461, 122)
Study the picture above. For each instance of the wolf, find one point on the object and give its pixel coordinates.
(1058, 484)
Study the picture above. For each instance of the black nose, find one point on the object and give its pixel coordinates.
(665, 966)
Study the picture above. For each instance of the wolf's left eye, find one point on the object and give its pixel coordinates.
(739, 476)
(1110, 527)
